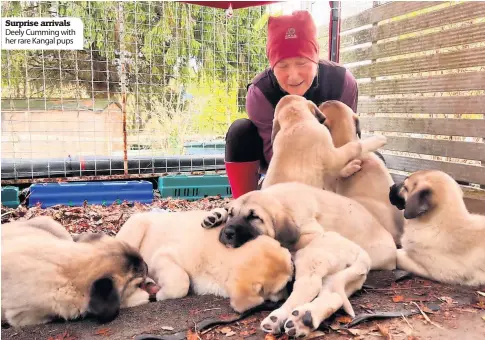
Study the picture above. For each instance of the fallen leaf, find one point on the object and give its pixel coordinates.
(248, 332)
(231, 333)
(269, 337)
(191, 335)
(356, 332)
(62, 336)
(225, 330)
(315, 334)
(398, 298)
(167, 328)
(480, 305)
(104, 332)
(248, 320)
(481, 293)
(384, 331)
(345, 319)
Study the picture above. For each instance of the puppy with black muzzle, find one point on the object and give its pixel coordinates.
(302, 146)
(46, 275)
(335, 240)
(442, 240)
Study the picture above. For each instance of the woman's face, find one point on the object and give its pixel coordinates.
(295, 75)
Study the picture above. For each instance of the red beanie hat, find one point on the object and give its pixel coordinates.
(290, 36)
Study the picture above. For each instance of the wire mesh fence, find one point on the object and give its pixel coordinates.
(153, 91)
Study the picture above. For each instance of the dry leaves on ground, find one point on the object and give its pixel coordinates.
(63, 336)
(104, 332)
(191, 335)
(345, 319)
(105, 218)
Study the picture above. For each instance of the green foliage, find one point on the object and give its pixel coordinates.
(167, 47)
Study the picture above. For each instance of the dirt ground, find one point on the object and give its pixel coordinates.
(453, 313)
(440, 311)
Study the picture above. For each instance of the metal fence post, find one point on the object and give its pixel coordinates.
(334, 34)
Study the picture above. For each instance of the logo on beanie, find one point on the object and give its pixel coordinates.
(291, 33)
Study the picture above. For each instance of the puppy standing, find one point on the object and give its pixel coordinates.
(302, 147)
(182, 255)
(441, 240)
(370, 185)
(45, 274)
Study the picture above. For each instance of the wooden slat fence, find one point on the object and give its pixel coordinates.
(421, 73)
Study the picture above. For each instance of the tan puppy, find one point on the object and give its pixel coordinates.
(299, 216)
(302, 147)
(441, 240)
(328, 270)
(180, 255)
(370, 185)
(45, 274)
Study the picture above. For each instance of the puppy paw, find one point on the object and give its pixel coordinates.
(273, 323)
(300, 322)
(373, 143)
(139, 297)
(215, 218)
(351, 168)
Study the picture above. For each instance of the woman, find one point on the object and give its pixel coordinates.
(292, 50)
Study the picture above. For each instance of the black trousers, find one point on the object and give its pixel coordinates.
(243, 143)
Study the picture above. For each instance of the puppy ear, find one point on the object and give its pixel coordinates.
(394, 197)
(357, 125)
(135, 264)
(417, 204)
(104, 300)
(316, 112)
(286, 232)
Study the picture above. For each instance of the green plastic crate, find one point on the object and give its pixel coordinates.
(194, 187)
(10, 197)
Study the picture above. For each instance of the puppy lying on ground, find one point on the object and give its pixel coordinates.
(370, 185)
(180, 255)
(301, 216)
(441, 240)
(46, 275)
(328, 271)
(302, 147)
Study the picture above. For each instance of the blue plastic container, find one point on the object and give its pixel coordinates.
(75, 193)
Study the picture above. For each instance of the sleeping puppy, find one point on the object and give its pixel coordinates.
(46, 275)
(182, 255)
(441, 240)
(370, 185)
(302, 147)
